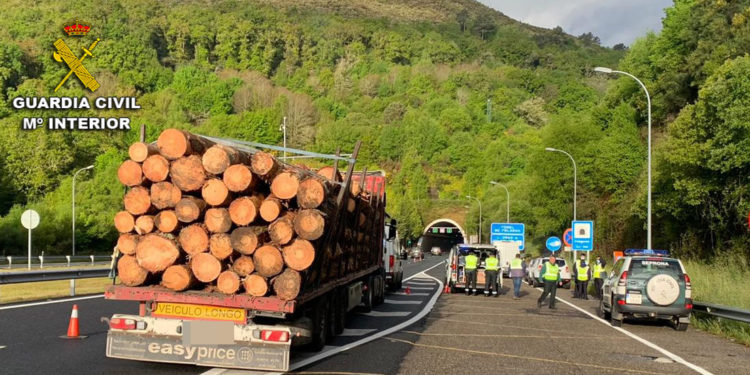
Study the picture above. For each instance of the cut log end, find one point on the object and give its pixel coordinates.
(178, 277)
(189, 209)
(220, 246)
(311, 193)
(166, 221)
(144, 224)
(127, 242)
(173, 143)
(281, 231)
(130, 173)
(264, 164)
(299, 254)
(330, 173)
(255, 285)
(285, 185)
(287, 285)
(124, 222)
(244, 210)
(155, 253)
(268, 261)
(244, 240)
(243, 265)
(194, 239)
(215, 192)
(129, 272)
(137, 200)
(187, 173)
(165, 195)
(205, 267)
(217, 220)
(139, 151)
(238, 178)
(156, 168)
(228, 282)
(270, 209)
(309, 224)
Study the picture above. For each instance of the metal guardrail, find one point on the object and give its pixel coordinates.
(34, 276)
(41, 260)
(726, 312)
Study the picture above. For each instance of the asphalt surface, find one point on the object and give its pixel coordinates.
(30, 343)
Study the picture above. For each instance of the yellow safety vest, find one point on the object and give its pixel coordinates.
(583, 273)
(471, 262)
(491, 264)
(551, 272)
(598, 271)
(516, 264)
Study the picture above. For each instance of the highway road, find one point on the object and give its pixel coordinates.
(460, 334)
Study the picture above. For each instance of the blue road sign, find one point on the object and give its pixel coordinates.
(508, 232)
(583, 235)
(553, 244)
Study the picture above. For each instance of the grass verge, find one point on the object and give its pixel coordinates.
(50, 289)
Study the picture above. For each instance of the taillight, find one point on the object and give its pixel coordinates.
(688, 285)
(540, 267)
(623, 279)
(689, 306)
(620, 302)
(122, 323)
(275, 336)
(390, 261)
(453, 266)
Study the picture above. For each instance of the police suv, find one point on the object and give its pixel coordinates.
(647, 284)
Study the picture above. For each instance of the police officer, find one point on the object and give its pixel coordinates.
(491, 265)
(517, 272)
(470, 269)
(550, 276)
(582, 280)
(599, 276)
(575, 276)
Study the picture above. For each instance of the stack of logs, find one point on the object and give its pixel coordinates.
(204, 215)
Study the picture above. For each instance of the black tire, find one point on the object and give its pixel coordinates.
(681, 327)
(400, 283)
(367, 297)
(567, 286)
(612, 314)
(320, 325)
(379, 283)
(602, 312)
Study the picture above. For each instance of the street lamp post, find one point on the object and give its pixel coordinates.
(575, 183)
(73, 217)
(283, 129)
(648, 101)
(480, 216)
(507, 193)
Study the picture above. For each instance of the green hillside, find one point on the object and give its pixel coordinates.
(410, 78)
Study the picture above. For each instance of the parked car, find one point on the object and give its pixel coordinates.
(436, 250)
(404, 253)
(535, 267)
(647, 284)
(416, 253)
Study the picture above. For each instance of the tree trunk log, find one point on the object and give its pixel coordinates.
(299, 254)
(311, 193)
(166, 221)
(264, 165)
(330, 173)
(174, 144)
(246, 239)
(268, 261)
(194, 239)
(144, 224)
(139, 151)
(137, 200)
(129, 272)
(218, 158)
(285, 185)
(217, 220)
(238, 178)
(244, 210)
(281, 230)
(124, 222)
(256, 285)
(287, 284)
(215, 193)
(243, 265)
(190, 209)
(155, 252)
(178, 277)
(127, 242)
(309, 224)
(228, 282)
(155, 168)
(205, 267)
(130, 173)
(220, 246)
(187, 173)
(270, 209)
(165, 195)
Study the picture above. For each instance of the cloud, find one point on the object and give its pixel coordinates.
(613, 21)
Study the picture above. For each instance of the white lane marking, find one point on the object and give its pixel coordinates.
(328, 353)
(50, 302)
(214, 371)
(410, 294)
(3, 346)
(356, 332)
(398, 302)
(643, 341)
(386, 314)
(420, 288)
(418, 283)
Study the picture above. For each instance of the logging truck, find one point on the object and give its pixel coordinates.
(235, 256)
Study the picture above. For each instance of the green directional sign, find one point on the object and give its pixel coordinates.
(449, 230)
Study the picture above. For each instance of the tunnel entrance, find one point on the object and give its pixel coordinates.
(443, 233)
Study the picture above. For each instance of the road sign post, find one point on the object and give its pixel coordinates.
(513, 232)
(30, 220)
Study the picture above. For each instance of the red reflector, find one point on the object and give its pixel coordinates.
(689, 306)
(566, 269)
(276, 336)
(390, 261)
(120, 323)
(453, 266)
(620, 301)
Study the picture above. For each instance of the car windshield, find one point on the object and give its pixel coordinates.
(651, 266)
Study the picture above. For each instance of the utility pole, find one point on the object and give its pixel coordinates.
(283, 129)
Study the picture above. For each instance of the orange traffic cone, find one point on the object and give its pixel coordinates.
(407, 290)
(447, 290)
(73, 332)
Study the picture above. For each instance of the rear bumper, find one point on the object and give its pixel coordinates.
(642, 311)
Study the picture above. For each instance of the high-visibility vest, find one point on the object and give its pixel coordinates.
(551, 272)
(471, 262)
(516, 264)
(598, 271)
(583, 273)
(491, 264)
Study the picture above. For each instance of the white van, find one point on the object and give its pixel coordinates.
(506, 251)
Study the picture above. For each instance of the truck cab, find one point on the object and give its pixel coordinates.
(392, 261)
(454, 272)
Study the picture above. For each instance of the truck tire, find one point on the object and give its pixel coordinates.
(339, 323)
(379, 290)
(320, 325)
(367, 297)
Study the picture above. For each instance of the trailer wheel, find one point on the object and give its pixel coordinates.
(320, 325)
(379, 297)
(367, 296)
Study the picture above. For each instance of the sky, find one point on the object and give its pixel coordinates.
(613, 21)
